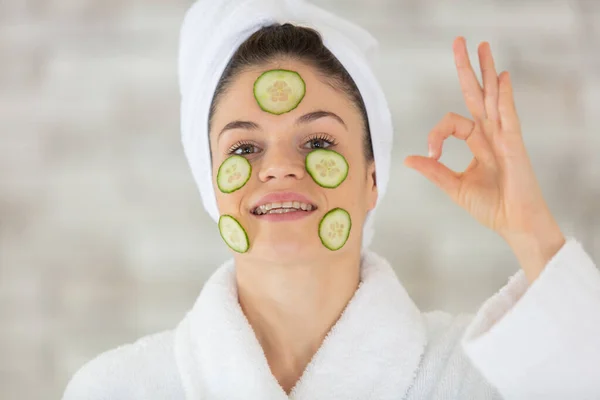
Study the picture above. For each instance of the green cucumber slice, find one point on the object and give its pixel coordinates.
(334, 228)
(278, 91)
(233, 234)
(233, 173)
(327, 167)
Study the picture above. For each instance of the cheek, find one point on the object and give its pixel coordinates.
(229, 203)
(350, 195)
(235, 202)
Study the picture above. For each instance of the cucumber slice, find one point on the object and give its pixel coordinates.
(334, 228)
(327, 167)
(278, 91)
(233, 173)
(233, 234)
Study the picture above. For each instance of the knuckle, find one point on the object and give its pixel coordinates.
(450, 116)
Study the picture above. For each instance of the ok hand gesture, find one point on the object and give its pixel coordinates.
(498, 188)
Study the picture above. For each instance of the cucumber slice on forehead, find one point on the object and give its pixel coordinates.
(233, 173)
(279, 90)
(233, 234)
(334, 228)
(327, 167)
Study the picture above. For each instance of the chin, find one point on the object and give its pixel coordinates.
(281, 249)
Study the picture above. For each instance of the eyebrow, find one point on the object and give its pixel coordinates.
(304, 119)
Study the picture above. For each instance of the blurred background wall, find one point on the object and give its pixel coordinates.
(103, 237)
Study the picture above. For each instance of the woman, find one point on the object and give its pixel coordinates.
(304, 310)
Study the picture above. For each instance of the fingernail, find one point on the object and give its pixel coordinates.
(430, 151)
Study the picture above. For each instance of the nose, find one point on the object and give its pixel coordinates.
(281, 161)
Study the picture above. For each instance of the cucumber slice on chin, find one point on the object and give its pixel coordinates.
(233, 234)
(327, 167)
(334, 228)
(233, 173)
(278, 91)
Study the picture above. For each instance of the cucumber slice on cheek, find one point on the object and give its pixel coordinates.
(279, 91)
(334, 228)
(233, 234)
(327, 167)
(233, 174)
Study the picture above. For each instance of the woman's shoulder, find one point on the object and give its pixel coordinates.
(145, 369)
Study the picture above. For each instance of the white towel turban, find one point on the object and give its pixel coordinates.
(212, 31)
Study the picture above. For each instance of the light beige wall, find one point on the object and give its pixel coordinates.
(103, 238)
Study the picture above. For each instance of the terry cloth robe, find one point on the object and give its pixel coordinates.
(539, 341)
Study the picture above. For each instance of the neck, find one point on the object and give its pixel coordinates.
(291, 307)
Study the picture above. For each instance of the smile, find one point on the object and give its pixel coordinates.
(283, 208)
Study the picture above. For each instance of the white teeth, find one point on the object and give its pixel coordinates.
(287, 206)
(282, 210)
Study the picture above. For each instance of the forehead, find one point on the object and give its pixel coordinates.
(238, 101)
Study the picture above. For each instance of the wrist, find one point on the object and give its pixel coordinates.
(535, 249)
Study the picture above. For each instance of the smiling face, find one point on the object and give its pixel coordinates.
(276, 147)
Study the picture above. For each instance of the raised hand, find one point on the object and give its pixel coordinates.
(498, 188)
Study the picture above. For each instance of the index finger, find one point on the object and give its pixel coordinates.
(464, 129)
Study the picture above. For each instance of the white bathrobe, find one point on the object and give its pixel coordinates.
(539, 341)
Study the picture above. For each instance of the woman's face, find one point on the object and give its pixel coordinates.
(276, 147)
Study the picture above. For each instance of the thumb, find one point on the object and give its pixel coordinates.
(442, 176)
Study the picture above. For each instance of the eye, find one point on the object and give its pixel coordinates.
(242, 148)
(320, 141)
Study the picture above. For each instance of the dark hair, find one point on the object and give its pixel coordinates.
(297, 43)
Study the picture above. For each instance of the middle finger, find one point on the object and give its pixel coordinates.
(490, 81)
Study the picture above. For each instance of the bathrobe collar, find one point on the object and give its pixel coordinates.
(372, 352)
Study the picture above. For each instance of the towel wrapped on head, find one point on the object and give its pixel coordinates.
(211, 33)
